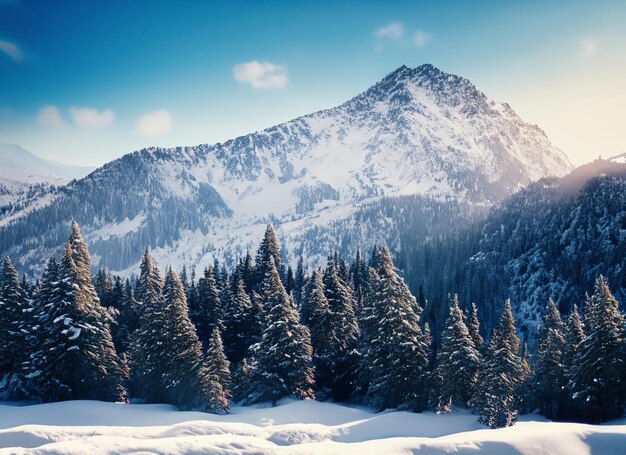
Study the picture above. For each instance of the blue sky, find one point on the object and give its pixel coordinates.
(86, 82)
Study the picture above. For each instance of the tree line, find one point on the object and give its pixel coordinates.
(348, 332)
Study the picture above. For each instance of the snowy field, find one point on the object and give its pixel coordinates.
(81, 427)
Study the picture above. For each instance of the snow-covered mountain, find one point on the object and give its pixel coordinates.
(420, 136)
(18, 164)
(28, 181)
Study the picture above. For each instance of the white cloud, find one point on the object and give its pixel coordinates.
(155, 123)
(87, 117)
(50, 116)
(421, 38)
(393, 31)
(396, 32)
(11, 50)
(261, 75)
(588, 45)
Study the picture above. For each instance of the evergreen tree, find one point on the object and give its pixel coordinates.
(345, 338)
(128, 320)
(396, 352)
(549, 375)
(458, 359)
(217, 375)
(77, 350)
(50, 345)
(148, 354)
(473, 326)
(268, 249)
(247, 273)
(13, 307)
(299, 281)
(16, 325)
(309, 298)
(597, 378)
(323, 334)
(358, 274)
(209, 306)
(281, 363)
(241, 327)
(500, 375)
(184, 376)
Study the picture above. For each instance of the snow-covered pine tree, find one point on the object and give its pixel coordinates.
(299, 280)
(268, 248)
(281, 365)
(218, 379)
(308, 300)
(77, 338)
(458, 360)
(358, 276)
(396, 351)
(241, 327)
(346, 332)
(209, 307)
(128, 319)
(323, 334)
(574, 336)
(598, 374)
(548, 379)
(500, 375)
(147, 354)
(50, 345)
(16, 327)
(184, 377)
(246, 272)
(473, 326)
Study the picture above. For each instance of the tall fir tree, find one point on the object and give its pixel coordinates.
(17, 325)
(500, 375)
(396, 351)
(458, 359)
(548, 379)
(268, 249)
(299, 280)
(574, 336)
(147, 354)
(78, 349)
(13, 307)
(184, 376)
(598, 375)
(323, 334)
(241, 327)
(218, 380)
(209, 306)
(308, 301)
(473, 326)
(345, 339)
(281, 362)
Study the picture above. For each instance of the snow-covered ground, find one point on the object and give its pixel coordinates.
(81, 427)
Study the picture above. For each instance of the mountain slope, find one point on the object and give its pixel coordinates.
(418, 132)
(18, 164)
(550, 240)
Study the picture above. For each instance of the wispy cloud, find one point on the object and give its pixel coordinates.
(421, 38)
(12, 50)
(50, 116)
(393, 31)
(86, 117)
(396, 32)
(261, 75)
(155, 123)
(589, 45)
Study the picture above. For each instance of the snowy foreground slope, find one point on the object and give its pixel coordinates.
(292, 427)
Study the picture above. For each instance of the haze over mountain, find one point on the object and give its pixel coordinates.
(420, 141)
